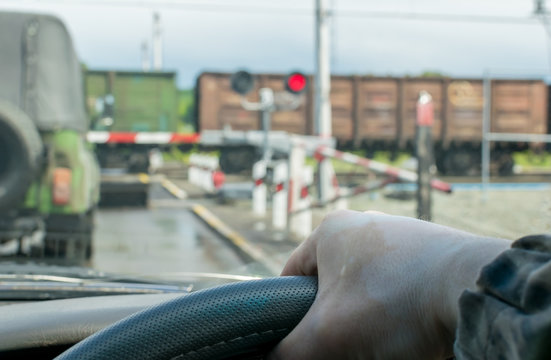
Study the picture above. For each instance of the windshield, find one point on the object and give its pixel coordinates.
(131, 145)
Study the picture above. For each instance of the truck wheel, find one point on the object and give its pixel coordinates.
(20, 154)
(69, 238)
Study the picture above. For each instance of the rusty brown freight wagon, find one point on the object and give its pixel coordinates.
(378, 113)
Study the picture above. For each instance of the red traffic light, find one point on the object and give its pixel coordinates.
(295, 82)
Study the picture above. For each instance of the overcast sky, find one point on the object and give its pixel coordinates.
(278, 36)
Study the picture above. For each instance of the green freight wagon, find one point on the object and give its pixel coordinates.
(131, 113)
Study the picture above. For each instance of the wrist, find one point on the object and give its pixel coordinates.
(460, 270)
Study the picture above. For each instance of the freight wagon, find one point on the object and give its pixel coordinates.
(379, 113)
(127, 103)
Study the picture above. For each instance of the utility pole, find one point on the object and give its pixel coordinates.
(322, 121)
(322, 110)
(157, 43)
(541, 13)
(540, 7)
(145, 57)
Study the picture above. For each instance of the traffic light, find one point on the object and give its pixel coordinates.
(242, 82)
(296, 82)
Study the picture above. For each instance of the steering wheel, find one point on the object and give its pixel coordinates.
(233, 320)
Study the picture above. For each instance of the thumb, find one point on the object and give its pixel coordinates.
(303, 261)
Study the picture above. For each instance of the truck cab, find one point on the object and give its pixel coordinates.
(49, 175)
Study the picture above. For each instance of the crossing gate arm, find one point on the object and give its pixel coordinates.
(378, 167)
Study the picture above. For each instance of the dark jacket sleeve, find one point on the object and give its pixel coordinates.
(509, 317)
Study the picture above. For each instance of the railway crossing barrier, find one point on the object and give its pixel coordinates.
(380, 168)
(300, 178)
(279, 198)
(259, 189)
(203, 172)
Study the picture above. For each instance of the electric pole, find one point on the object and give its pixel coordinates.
(322, 120)
(145, 57)
(540, 7)
(157, 43)
(322, 101)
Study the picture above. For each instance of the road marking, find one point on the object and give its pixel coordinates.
(249, 250)
(174, 189)
(144, 178)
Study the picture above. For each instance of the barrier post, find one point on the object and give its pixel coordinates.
(341, 202)
(279, 199)
(303, 219)
(192, 170)
(297, 155)
(326, 179)
(259, 190)
(423, 142)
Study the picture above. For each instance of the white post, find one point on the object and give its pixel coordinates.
(259, 190)
(145, 57)
(192, 170)
(486, 128)
(296, 167)
(323, 73)
(328, 190)
(342, 202)
(211, 163)
(304, 221)
(322, 121)
(157, 43)
(279, 199)
(202, 173)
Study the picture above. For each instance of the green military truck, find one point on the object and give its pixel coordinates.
(49, 176)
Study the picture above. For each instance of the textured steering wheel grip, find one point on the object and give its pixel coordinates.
(215, 323)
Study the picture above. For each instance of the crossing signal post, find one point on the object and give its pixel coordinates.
(242, 82)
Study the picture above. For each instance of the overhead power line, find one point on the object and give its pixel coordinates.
(224, 7)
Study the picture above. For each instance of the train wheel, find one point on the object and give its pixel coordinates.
(235, 160)
(461, 162)
(505, 164)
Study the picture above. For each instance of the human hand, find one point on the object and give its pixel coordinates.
(387, 287)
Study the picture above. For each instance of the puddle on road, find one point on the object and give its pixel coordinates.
(151, 241)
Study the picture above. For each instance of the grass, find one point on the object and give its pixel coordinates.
(178, 155)
(530, 160)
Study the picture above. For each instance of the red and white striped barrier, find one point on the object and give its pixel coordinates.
(107, 137)
(400, 174)
(203, 172)
(301, 178)
(279, 198)
(259, 189)
(301, 218)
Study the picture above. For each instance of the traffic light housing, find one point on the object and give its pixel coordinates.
(242, 82)
(296, 82)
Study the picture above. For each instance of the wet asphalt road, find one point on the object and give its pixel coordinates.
(158, 239)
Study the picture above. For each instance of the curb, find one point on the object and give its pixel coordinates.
(242, 245)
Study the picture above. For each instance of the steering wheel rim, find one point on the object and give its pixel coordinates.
(216, 323)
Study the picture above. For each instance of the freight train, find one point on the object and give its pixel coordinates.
(379, 113)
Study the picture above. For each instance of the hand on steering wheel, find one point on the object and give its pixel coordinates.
(388, 287)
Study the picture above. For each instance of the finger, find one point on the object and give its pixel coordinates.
(303, 261)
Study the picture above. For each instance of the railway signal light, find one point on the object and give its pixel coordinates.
(242, 82)
(296, 82)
